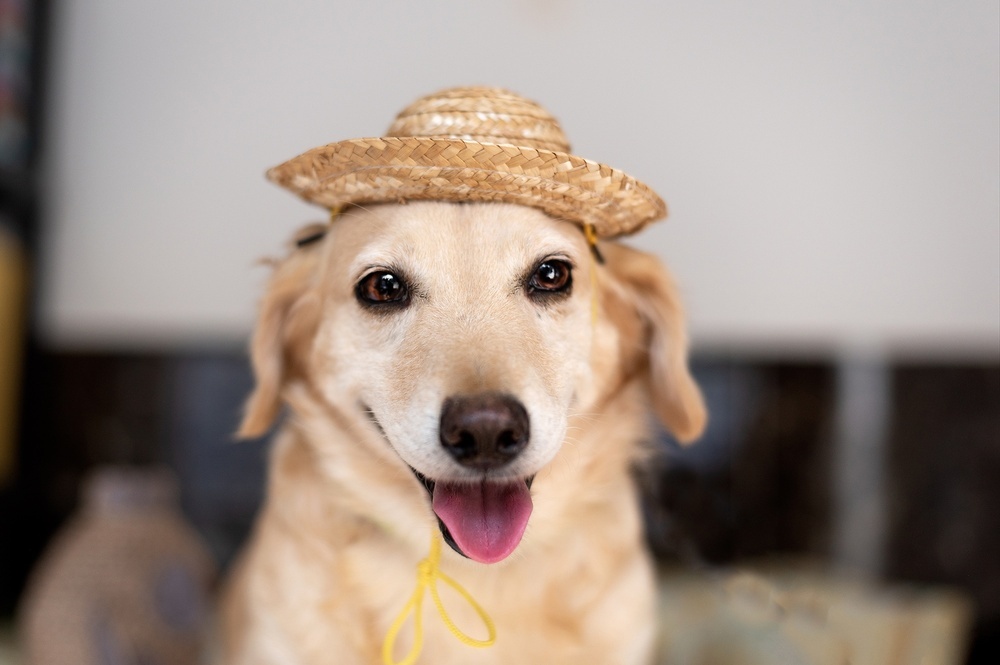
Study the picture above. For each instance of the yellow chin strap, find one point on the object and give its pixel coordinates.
(595, 257)
(428, 573)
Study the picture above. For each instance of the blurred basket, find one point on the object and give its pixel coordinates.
(795, 615)
(126, 581)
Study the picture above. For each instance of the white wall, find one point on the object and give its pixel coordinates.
(832, 168)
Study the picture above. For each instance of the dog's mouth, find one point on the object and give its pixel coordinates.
(481, 520)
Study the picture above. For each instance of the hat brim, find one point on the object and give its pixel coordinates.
(374, 170)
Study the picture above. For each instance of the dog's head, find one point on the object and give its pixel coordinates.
(465, 335)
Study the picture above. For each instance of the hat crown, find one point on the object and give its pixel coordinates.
(483, 115)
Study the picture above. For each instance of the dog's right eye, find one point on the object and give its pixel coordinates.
(382, 288)
(551, 277)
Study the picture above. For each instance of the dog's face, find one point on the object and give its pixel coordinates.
(465, 334)
(464, 316)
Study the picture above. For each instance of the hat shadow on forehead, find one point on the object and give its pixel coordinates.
(474, 144)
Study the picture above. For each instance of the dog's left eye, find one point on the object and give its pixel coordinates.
(382, 288)
(551, 276)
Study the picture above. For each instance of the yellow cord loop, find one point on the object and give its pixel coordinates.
(428, 573)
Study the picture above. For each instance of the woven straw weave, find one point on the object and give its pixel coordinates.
(474, 144)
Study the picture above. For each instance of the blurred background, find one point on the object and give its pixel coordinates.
(833, 176)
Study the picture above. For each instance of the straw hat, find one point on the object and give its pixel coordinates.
(474, 144)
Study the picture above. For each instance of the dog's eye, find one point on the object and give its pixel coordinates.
(382, 287)
(551, 276)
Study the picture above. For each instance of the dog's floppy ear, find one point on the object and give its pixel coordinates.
(648, 290)
(286, 327)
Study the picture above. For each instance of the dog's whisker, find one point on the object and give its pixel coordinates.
(591, 418)
(373, 211)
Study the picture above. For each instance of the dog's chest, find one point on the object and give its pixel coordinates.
(543, 611)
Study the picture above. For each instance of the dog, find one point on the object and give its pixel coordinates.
(469, 369)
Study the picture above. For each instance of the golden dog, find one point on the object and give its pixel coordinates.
(466, 369)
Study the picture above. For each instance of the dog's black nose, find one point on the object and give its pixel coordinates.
(484, 431)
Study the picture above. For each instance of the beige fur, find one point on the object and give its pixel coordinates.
(332, 559)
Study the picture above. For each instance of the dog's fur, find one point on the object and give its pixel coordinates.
(332, 560)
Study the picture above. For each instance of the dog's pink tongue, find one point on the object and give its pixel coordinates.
(486, 520)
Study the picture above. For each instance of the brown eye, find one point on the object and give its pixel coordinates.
(551, 276)
(382, 288)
